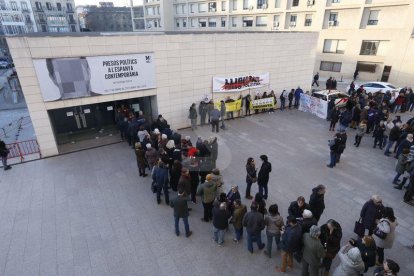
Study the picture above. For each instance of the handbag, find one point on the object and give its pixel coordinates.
(254, 179)
(381, 234)
(359, 228)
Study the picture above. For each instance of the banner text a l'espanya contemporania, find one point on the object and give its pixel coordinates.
(240, 83)
(68, 78)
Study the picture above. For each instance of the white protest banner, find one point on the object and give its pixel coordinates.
(240, 83)
(313, 105)
(262, 103)
(68, 78)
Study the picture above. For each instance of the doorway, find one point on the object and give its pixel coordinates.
(386, 73)
(87, 126)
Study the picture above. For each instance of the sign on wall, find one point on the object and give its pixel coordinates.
(313, 105)
(240, 83)
(68, 78)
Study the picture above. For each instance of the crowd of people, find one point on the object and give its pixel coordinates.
(371, 115)
(190, 171)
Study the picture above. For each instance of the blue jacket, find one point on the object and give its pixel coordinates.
(298, 92)
(160, 176)
(292, 238)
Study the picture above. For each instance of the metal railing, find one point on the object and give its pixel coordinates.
(22, 149)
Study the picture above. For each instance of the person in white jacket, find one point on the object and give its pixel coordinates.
(384, 234)
(351, 262)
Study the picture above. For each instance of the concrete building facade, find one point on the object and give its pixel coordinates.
(16, 18)
(55, 16)
(185, 64)
(374, 36)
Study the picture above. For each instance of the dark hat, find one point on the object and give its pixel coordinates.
(393, 266)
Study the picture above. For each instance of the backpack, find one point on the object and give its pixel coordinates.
(282, 97)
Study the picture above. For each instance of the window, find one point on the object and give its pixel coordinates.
(277, 4)
(192, 8)
(202, 7)
(223, 22)
(245, 4)
(336, 1)
(373, 18)
(369, 48)
(330, 66)
(308, 20)
(59, 6)
(261, 21)
(212, 6)
(234, 5)
(48, 6)
(333, 19)
(183, 9)
(202, 22)
(293, 18)
(184, 23)
(212, 22)
(295, 3)
(276, 19)
(334, 46)
(69, 6)
(2, 5)
(234, 22)
(366, 67)
(223, 5)
(193, 22)
(24, 6)
(13, 6)
(177, 23)
(39, 6)
(248, 21)
(177, 10)
(262, 4)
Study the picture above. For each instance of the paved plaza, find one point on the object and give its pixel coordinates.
(89, 213)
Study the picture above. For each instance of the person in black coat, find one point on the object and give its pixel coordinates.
(317, 201)
(334, 149)
(297, 207)
(371, 213)
(4, 151)
(331, 235)
(263, 176)
(291, 243)
(368, 250)
(334, 117)
(220, 222)
(180, 206)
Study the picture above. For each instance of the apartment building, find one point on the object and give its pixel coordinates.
(16, 17)
(373, 36)
(55, 16)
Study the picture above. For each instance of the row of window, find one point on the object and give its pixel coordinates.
(13, 6)
(213, 6)
(50, 7)
(362, 66)
(368, 47)
(16, 30)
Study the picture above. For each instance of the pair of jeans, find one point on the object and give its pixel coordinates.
(254, 238)
(287, 260)
(270, 237)
(263, 188)
(333, 159)
(296, 104)
(248, 188)
(218, 235)
(397, 108)
(282, 104)
(379, 141)
(166, 195)
(238, 233)
(389, 145)
(396, 178)
(215, 125)
(186, 226)
(208, 211)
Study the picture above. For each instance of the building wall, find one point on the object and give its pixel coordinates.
(394, 24)
(16, 17)
(185, 65)
(111, 19)
(55, 15)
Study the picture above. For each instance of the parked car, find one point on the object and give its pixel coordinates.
(376, 86)
(340, 97)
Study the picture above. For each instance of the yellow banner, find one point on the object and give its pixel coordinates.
(263, 103)
(231, 106)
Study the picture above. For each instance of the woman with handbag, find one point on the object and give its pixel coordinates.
(384, 233)
(251, 176)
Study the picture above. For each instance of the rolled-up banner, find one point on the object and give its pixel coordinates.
(240, 83)
(262, 103)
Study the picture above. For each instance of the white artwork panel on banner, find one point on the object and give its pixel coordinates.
(68, 78)
(240, 83)
(313, 105)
